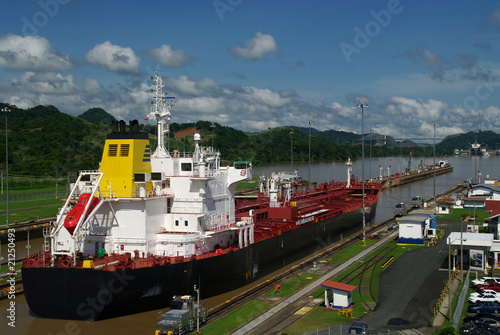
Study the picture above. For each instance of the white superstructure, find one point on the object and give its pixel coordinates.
(164, 204)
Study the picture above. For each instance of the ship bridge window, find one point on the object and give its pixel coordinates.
(176, 222)
(186, 223)
(186, 167)
(124, 150)
(112, 150)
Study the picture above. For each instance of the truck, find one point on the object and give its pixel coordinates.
(416, 201)
(182, 316)
(400, 209)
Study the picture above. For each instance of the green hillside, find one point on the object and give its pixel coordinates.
(46, 142)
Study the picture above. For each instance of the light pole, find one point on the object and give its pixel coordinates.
(363, 106)
(291, 148)
(401, 154)
(370, 174)
(310, 123)
(6, 110)
(434, 166)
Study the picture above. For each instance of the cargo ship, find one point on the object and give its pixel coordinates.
(149, 225)
(475, 149)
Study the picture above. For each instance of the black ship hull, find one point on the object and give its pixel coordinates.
(89, 294)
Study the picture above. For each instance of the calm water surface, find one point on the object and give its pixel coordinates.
(144, 323)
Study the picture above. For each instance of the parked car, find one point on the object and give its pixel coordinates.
(481, 316)
(484, 298)
(358, 327)
(487, 291)
(491, 322)
(491, 286)
(488, 286)
(479, 328)
(488, 307)
(484, 281)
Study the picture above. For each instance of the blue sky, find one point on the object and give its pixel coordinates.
(258, 64)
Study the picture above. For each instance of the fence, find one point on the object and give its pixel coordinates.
(20, 197)
(461, 301)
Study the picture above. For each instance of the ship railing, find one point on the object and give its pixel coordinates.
(221, 226)
(135, 194)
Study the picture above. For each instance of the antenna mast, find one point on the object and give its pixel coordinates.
(160, 110)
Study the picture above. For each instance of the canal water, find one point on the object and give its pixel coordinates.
(464, 167)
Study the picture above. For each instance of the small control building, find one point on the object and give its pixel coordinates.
(338, 295)
(412, 229)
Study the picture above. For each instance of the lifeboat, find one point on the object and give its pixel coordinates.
(77, 211)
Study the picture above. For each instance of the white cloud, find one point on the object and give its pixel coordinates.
(31, 53)
(169, 57)
(91, 86)
(430, 110)
(47, 83)
(261, 46)
(184, 85)
(114, 58)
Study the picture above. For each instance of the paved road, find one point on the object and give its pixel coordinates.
(409, 289)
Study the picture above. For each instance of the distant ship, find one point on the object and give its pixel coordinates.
(475, 149)
(148, 226)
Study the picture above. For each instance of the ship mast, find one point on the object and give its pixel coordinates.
(160, 110)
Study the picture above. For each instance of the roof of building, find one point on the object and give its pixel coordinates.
(470, 239)
(489, 187)
(338, 286)
(474, 199)
(494, 207)
(412, 219)
(446, 201)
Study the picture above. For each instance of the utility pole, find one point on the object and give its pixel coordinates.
(310, 123)
(434, 167)
(363, 106)
(6, 110)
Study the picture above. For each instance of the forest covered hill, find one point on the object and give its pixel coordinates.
(46, 142)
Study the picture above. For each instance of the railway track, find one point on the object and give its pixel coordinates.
(303, 306)
(239, 300)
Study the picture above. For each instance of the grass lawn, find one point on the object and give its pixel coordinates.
(292, 285)
(247, 184)
(457, 213)
(6, 269)
(30, 210)
(351, 251)
(236, 318)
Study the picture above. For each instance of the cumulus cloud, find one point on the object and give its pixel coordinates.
(483, 46)
(248, 108)
(114, 58)
(493, 18)
(463, 67)
(261, 46)
(169, 57)
(47, 83)
(31, 53)
(189, 87)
